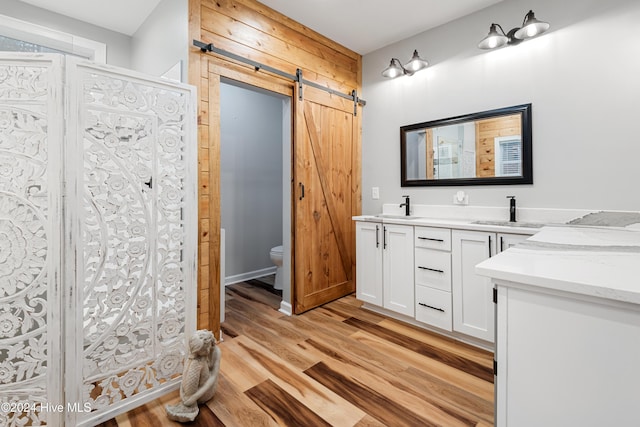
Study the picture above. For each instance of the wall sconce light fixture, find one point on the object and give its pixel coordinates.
(396, 69)
(531, 27)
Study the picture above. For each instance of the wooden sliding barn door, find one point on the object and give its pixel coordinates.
(326, 131)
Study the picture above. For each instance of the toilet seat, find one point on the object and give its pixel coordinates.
(276, 250)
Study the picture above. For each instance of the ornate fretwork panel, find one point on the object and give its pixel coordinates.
(98, 232)
(30, 227)
(134, 137)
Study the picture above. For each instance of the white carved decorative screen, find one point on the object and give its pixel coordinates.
(129, 241)
(30, 238)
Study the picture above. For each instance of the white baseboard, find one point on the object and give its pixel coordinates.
(230, 280)
(286, 308)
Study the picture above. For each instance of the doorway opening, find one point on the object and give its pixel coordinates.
(255, 188)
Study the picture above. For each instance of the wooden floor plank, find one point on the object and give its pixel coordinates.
(369, 421)
(335, 365)
(441, 355)
(443, 409)
(479, 387)
(483, 357)
(268, 339)
(350, 310)
(373, 402)
(245, 292)
(235, 409)
(323, 401)
(238, 370)
(282, 407)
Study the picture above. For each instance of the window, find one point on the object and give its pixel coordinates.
(508, 156)
(22, 36)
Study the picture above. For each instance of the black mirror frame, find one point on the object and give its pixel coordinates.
(527, 155)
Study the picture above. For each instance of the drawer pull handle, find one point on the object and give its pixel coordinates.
(430, 306)
(429, 238)
(431, 269)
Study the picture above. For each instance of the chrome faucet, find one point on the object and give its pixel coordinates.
(407, 206)
(512, 208)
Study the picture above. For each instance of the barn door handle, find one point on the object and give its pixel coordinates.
(149, 183)
(301, 191)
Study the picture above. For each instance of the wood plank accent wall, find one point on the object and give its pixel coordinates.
(486, 132)
(252, 30)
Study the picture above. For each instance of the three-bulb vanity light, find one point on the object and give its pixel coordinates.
(531, 27)
(396, 68)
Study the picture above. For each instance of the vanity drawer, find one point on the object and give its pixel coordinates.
(433, 307)
(434, 238)
(433, 268)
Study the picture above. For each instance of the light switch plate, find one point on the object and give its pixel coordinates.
(375, 193)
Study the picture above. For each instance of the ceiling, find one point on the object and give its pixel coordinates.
(123, 16)
(360, 25)
(366, 25)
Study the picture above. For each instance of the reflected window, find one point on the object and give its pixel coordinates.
(508, 151)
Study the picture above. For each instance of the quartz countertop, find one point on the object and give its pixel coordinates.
(602, 262)
(462, 224)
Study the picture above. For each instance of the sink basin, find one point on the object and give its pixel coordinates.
(389, 216)
(511, 224)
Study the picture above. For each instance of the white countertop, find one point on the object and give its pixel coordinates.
(601, 262)
(462, 224)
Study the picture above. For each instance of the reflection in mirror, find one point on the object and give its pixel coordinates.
(492, 147)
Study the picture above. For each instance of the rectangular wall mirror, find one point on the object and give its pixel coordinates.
(485, 148)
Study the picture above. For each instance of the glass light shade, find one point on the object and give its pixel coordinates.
(531, 27)
(494, 39)
(393, 70)
(416, 63)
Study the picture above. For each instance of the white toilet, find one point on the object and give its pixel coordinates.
(276, 258)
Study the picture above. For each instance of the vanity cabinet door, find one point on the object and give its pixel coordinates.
(397, 261)
(369, 262)
(505, 241)
(473, 311)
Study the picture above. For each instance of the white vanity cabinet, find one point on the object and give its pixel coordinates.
(384, 266)
(433, 276)
(473, 310)
(369, 262)
(428, 273)
(397, 268)
(568, 328)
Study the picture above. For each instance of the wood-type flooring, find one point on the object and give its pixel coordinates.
(336, 365)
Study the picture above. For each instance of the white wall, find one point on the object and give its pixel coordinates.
(163, 39)
(582, 78)
(251, 127)
(118, 45)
